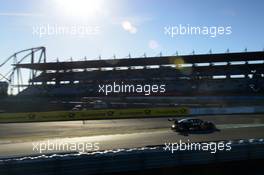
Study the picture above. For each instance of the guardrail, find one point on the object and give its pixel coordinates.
(92, 114)
(226, 110)
(125, 113)
(124, 160)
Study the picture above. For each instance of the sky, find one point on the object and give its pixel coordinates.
(121, 27)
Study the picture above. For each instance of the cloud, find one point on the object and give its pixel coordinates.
(127, 26)
(19, 14)
(153, 44)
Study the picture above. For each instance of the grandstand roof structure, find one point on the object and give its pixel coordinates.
(145, 61)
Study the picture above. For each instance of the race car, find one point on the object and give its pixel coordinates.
(190, 124)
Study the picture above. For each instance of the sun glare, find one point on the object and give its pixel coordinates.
(80, 8)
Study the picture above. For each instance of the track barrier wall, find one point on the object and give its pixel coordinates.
(124, 160)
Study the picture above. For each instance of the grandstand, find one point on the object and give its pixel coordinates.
(208, 79)
(188, 75)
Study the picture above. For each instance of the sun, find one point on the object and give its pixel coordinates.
(80, 8)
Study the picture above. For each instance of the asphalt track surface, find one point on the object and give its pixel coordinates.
(17, 139)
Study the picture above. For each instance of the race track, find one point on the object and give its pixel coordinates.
(17, 139)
